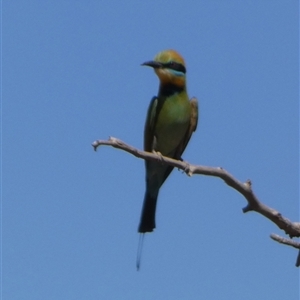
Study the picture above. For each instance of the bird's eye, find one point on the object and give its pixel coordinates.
(176, 66)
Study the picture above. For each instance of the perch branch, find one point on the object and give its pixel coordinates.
(290, 228)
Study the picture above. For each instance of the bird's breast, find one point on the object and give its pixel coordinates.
(172, 124)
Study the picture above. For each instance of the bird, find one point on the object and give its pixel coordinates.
(171, 120)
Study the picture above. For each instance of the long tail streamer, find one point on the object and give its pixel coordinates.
(139, 251)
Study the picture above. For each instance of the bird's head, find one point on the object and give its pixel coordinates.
(169, 66)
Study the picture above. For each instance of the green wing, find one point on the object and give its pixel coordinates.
(149, 125)
(192, 127)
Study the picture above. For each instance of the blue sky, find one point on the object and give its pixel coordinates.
(71, 74)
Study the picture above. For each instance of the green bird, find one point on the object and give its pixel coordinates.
(170, 122)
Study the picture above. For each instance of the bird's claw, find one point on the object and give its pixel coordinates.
(159, 155)
(187, 168)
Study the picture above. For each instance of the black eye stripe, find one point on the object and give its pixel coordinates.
(175, 66)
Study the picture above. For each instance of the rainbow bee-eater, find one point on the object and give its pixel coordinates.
(170, 122)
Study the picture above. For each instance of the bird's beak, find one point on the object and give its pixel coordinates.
(153, 64)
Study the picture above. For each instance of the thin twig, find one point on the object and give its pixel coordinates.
(285, 241)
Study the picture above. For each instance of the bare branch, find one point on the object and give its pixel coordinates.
(298, 260)
(288, 242)
(285, 241)
(245, 188)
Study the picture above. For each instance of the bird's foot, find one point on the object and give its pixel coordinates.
(159, 155)
(187, 168)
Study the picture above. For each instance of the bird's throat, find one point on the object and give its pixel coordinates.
(167, 90)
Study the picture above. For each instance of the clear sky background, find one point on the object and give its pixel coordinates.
(72, 74)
